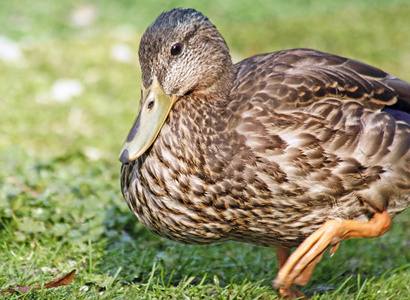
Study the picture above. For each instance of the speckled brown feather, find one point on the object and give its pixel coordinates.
(300, 139)
(297, 77)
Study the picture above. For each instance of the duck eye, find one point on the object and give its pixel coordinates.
(176, 49)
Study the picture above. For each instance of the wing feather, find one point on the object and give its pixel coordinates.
(299, 77)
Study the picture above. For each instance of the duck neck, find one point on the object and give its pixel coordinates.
(218, 71)
(222, 85)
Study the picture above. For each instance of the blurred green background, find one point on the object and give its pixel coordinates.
(69, 90)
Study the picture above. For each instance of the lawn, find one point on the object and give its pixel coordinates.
(60, 203)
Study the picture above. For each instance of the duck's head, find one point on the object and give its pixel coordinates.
(180, 53)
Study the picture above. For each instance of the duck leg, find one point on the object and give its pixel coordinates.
(300, 265)
(290, 292)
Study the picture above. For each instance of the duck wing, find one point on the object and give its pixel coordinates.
(297, 78)
(317, 118)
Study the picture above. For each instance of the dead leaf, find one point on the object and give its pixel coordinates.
(63, 280)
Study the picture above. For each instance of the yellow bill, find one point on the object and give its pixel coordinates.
(154, 110)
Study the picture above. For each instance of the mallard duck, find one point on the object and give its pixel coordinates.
(296, 148)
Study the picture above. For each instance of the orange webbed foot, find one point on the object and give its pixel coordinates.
(299, 267)
(291, 292)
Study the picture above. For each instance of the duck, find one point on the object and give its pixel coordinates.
(292, 149)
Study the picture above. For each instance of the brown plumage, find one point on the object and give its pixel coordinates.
(265, 151)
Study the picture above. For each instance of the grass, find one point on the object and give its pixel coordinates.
(60, 202)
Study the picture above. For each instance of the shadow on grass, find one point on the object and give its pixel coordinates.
(136, 250)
